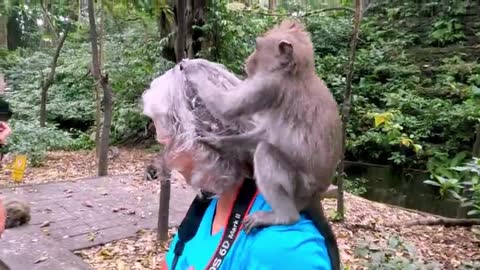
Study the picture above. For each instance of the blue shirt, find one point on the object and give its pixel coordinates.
(297, 246)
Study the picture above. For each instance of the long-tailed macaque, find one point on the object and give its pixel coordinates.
(18, 212)
(174, 104)
(296, 141)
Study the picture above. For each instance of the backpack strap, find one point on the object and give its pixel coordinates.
(189, 226)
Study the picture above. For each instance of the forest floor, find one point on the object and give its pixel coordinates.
(367, 223)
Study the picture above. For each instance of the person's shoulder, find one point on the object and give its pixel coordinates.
(297, 246)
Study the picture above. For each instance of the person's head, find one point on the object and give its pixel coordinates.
(180, 117)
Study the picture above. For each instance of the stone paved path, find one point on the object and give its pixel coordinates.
(82, 214)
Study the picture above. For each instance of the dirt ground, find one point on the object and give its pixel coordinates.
(364, 221)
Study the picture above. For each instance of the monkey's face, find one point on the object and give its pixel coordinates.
(271, 53)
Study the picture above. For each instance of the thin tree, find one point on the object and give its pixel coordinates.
(198, 21)
(476, 145)
(98, 103)
(46, 83)
(347, 103)
(107, 93)
(181, 6)
(165, 175)
(3, 25)
(189, 28)
(164, 201)
(271, 5)
(48, 26)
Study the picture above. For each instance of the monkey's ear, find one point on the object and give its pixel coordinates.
(285, 47)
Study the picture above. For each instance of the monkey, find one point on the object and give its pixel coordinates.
(296, 115)
(151, 173)
(297, 138)
(154, 167)
(173, 103)
(113, 153)
(18, 212)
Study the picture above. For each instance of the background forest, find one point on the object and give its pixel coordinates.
(415, 86)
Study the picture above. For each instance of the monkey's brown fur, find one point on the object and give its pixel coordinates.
(18, 212)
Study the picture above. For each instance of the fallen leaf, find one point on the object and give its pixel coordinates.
(41, 259)
(45, 224)
(87, 204)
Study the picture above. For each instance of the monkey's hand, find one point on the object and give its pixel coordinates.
(250, 96)
(246, 141)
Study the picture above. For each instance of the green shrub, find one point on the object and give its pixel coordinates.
(30, 139)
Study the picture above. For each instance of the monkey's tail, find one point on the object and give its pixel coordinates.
(315, 212)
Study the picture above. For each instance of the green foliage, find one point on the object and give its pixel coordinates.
(446, 32)
(462, 181)
(231, 33)
(82, 142)
(30, 139)
(356, 186)
(391, 254)
(429, 110)
(71, 95)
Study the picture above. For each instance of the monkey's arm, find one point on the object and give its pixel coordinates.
(250, 96)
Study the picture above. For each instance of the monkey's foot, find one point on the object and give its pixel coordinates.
(263, 219)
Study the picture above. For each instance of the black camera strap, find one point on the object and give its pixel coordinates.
(189, 226)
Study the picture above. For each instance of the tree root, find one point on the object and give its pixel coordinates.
(447, 222)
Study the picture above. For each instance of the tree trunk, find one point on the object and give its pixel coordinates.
(98, 96)
(271, 5)
(189, 26)
(476, 145)
(164, 206)
(3, 25)
(49, 81)
(345, 108)
(107, 93)
(198, 21)
(447, 222)
(164, 200)
(162, 25)
(181, 30)
(165, 28)
(164, 175)
(48, 27)
(14, 37)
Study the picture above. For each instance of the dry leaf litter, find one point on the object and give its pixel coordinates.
(364, 220)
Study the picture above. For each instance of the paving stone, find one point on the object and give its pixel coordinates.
(84, 226)
(20, 250)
